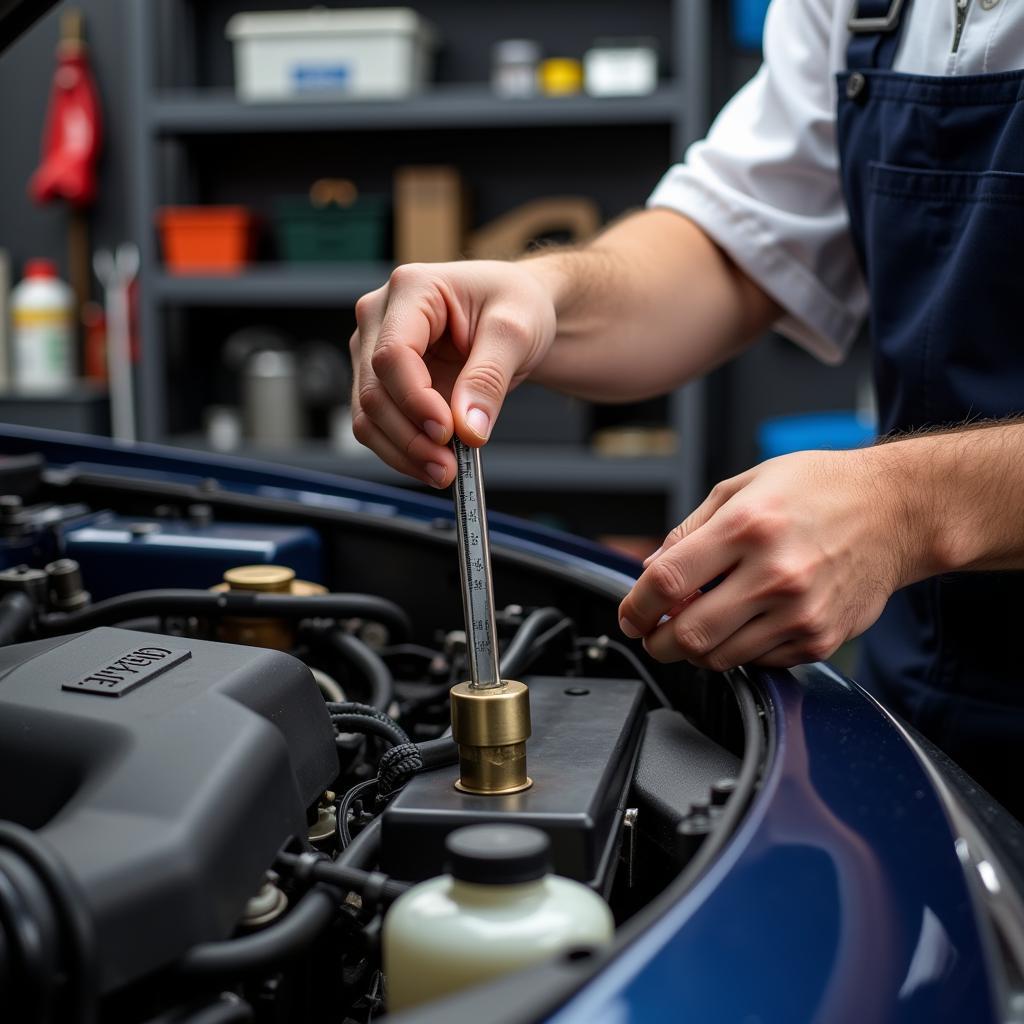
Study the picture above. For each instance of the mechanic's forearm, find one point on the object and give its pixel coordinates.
(963, 492)
(648, 305)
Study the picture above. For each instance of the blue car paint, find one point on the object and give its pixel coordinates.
(245, 476)
(840, 897)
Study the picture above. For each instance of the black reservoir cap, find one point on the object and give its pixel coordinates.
(498, 854)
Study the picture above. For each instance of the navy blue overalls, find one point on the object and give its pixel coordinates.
(933, 175)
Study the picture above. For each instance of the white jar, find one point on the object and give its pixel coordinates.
(498, 911)
(43, 337)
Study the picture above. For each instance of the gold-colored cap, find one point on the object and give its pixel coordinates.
(278, 634)
(275, 579)
(491, 727)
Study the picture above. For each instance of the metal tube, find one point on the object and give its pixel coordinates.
(475, 563)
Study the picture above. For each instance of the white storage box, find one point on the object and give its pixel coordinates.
(373, 53)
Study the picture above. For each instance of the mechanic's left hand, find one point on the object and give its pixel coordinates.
(811, 545)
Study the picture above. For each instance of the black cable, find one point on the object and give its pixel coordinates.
(754, 746)
(438, 753)
(323, 869)
(517, 656)
(70, 909)
(396, 767)
(344, 806)
(16, 612)
(242, 603)
(369, 665)
(638, 666)
(283, 940)
(364, 724)
(362, 718)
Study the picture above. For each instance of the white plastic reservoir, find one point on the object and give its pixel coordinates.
(497, 911)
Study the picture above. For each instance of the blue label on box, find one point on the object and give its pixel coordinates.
(317, 77)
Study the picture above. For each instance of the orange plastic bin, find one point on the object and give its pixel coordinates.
(206, 239)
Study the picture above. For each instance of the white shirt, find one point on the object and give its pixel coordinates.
(765, 183)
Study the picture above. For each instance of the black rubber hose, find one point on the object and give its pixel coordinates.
(369, 665)
(70, 909)
(438, 753)
(280, 941)
(520, 652)
(239, 603)
(364, 849)
(16, 611)
(371, 884)
(227, 1008)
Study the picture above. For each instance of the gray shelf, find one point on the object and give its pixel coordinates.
(204, 112)
(289, 284)
(548, 468)
(176, 110)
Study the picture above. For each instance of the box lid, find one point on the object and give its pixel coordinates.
(355, 21)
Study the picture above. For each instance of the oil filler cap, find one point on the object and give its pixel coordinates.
(498, 854)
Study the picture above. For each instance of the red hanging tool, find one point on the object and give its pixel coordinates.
(71, 145)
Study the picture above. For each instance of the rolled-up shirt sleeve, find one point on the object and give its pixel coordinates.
(764, 184)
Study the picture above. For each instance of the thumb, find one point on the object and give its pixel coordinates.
(491, 367)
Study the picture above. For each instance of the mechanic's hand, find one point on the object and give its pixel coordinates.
(437, 349)
(810, 545)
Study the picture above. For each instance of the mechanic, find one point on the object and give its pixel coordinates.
(873, 168)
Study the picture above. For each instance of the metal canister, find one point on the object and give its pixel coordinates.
(272, 406)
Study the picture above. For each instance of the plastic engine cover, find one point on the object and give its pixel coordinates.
(580, 757)
(165, 773)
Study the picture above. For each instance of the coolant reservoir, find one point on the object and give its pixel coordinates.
(497, 911)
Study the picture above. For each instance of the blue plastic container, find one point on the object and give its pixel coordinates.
(119, 554)
(813, 431)
(748, 22)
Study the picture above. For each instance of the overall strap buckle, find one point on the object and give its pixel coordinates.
(888, 22)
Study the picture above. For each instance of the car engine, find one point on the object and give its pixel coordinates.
(225, 748)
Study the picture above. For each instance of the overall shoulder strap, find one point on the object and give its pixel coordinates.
(875, 30)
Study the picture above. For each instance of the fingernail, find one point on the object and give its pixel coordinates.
(479, 422)
(629, 629)
(653, 555)
(437, 473)
(435, 431)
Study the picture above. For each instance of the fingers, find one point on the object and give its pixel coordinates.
(377, 408)
(369, 434)
(706, 623)
(500, 347)
(719, 495)
(415, 316)
(672, 578)
(415, 448)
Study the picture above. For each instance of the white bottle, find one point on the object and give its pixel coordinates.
(43, 337)
(497, 911)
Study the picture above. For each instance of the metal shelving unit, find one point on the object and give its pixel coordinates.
(284, 284)
(445, 106)
(556, 468)
(172, 112)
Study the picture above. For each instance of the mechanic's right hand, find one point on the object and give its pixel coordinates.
(436, 349)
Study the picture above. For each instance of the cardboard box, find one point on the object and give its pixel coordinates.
(430, 214)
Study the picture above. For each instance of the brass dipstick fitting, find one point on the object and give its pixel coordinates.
(267, 579)
(491, 726)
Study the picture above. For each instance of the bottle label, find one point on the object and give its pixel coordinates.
(43, 350)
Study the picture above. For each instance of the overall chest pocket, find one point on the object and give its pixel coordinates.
(944, 257)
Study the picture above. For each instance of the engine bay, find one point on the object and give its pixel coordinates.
(225, 743)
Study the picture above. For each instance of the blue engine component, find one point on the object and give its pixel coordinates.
(119, 554)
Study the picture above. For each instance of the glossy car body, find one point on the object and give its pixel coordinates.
(867, 879)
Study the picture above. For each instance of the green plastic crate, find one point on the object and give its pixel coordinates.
(332, 234)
